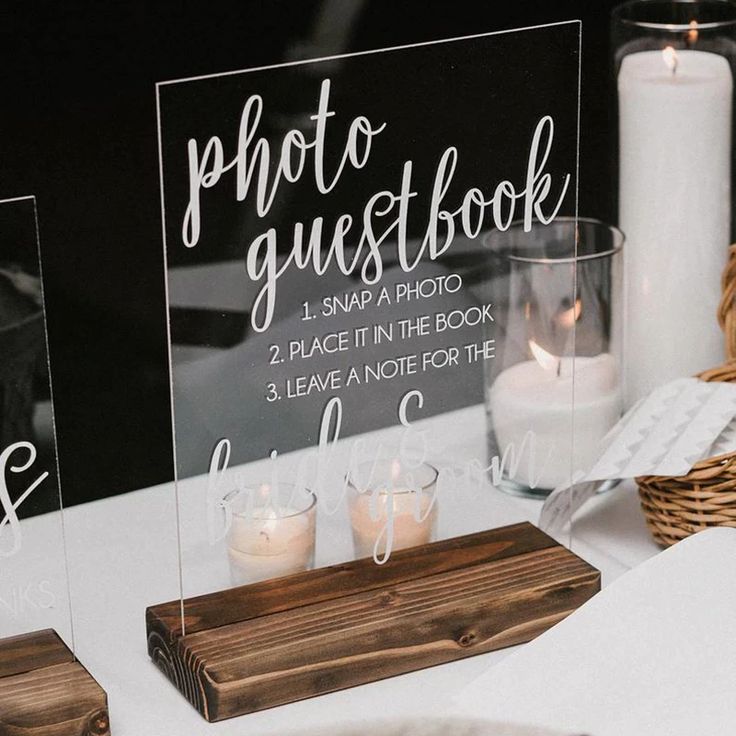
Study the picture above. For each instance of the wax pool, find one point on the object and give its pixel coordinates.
(270, 543)
(530, 398)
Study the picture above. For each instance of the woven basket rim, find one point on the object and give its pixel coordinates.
(677, 506)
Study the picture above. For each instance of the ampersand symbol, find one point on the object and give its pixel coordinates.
(10, 509)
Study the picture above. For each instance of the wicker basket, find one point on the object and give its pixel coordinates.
(676, 507)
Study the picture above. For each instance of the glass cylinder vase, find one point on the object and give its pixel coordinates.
(554, 389)
(673, 66)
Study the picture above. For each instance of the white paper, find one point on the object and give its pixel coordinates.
(725, 443)
(666, 433)
(652, 654)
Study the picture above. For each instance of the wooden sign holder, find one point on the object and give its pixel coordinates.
(274, 642)
(44, 691)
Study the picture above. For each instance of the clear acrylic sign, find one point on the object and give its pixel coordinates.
(360, 363)
(34, 589)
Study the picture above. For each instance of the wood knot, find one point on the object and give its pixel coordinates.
(99, 723)
(467, 639)
(387, 598)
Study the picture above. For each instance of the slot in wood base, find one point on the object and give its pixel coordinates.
(44, 691)
(274, 642)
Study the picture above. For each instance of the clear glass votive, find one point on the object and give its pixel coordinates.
(269, 534)
(553, 391)
(393, 506)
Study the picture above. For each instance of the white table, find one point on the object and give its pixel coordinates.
(123, 558)
(132, 538)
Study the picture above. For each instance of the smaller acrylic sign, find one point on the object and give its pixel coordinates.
(34, 587)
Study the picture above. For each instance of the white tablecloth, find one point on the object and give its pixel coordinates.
(132, 539)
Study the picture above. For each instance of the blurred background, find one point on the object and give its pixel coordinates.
(79, 132)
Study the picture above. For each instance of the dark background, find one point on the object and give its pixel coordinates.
(430, 97)
(78, 130)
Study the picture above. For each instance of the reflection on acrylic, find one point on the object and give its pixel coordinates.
(33, 581)
(340, 208)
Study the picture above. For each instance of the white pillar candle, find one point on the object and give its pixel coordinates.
(369, 514)
(674, 199)
(270, 542)
(529, 397)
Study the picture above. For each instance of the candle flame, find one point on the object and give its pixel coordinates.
(670, 58)
(569, 317)
(692, 34)
(548, 361)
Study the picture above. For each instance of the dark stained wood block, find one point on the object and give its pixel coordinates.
(274, 642)
(44, 691)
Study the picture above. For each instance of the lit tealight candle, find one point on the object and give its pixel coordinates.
(393, 509)
(270, 540)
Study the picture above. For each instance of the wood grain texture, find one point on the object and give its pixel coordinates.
(271, 643)
(32, 651)
(45, 692)
(271, 596)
